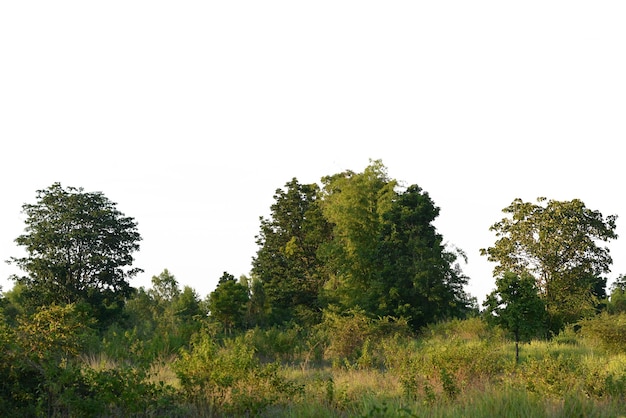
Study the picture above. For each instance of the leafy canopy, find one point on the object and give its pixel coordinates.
(227, 303)
(286, 263)
(515, 305)
(359, 242)
(556, 242)
(79, 249)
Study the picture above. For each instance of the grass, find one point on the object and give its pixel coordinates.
(457, 369)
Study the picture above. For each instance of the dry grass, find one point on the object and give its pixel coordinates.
(99, 362)
(161, 371)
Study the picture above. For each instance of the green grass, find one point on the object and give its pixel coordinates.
(456, 369)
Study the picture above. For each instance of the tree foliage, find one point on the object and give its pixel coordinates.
(515, 305)
(617, 300)
(286, 262)
(228, 302)
(556, 243)
(359, 242)
(163, 318)
(354, 204)
(79, 249)
(419, 278)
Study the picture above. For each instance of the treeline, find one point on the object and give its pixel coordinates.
(344, 270)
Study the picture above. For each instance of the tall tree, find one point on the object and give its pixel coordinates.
(419, 278)
(557, 243)
(516, 306)
(286, 262)
(354, 203)
(80, 248)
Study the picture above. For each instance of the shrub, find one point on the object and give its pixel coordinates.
(278, 343)
(606, 331)
(228, 378)
(346, 334)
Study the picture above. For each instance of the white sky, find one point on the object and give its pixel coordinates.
(190, 114)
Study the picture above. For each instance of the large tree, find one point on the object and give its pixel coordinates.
(360, 242)
(79, 249)
(286, 262)
(419, 278)
(557, 243)
(354, 204)
(385, 255)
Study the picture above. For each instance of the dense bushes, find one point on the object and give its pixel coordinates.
(606, 331)
(42, 374)
(54, 364)
(228, 378)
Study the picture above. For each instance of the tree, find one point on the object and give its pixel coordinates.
(617, 301)
(419, 278)
(286, 262)
(257, 308)
(164, 317)
(555, 242)
(354, 204)
(516, 306)
(386, 256)
(228, 302)
(80, 248)
(164, 287)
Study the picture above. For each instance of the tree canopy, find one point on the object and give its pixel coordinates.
(79, 249)
(227, 303)
(556, 242)
(419, 278)
(286, 261)
(516, 306)
(358, 242)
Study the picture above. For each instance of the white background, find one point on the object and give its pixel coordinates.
(190, 114)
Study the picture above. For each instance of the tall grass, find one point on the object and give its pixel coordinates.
(454, 369)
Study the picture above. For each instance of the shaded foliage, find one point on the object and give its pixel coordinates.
(286, 262)
(515, 305)
(557, 243)
(419, 279)
(228, 302)
(80, 248)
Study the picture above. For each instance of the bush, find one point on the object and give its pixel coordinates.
(281, 344)
(228, 378)
(606, 331)
(346, 335)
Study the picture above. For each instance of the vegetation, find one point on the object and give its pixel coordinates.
(354, 308)
(516, 306)
(557, 245)
(78, 247)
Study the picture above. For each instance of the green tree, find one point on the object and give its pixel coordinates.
(286, 262)
(257, 309)
(187, 305)
(556, 243)
(37, 359)
(164, 287)
(617, 301)
(354, 203)
(14, 303)
(228, 302)
(419, 279)
(80, 248)
(163, 317)
(515, 305)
